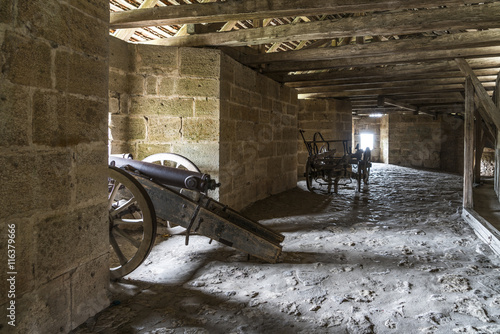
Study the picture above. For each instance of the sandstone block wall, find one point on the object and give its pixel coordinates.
(258, 131)
(53, 155)
(233, 123)
(414, 141)
(333, 118)
(165, 100)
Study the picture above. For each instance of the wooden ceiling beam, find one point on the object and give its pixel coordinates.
(233, 10)
(398, 58)
(406, 22)
(444, 42)
(398, 84)
(489, 63)
(446, 77)
(395, 91)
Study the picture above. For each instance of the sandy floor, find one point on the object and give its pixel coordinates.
(397, 258)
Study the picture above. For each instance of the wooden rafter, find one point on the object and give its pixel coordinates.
(467, 17)
(259, 9)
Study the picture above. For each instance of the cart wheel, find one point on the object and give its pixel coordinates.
(367, 156)
(309, 177)
(176, 161)
(132, 222)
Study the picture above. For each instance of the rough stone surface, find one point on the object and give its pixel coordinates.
(395, 258)
(54, 102)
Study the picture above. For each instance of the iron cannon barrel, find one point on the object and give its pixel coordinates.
(169, 176)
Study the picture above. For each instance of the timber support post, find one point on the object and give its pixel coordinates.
(468, 201)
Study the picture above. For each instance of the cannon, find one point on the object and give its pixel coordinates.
(325, 168)
(140, 193)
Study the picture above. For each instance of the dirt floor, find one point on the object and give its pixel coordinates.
(396, 258)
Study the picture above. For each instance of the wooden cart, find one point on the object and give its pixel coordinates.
(326, 170)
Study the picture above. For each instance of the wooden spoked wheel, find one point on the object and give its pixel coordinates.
(309, 177)
(176, 161)
(172, 160)
(132, 222)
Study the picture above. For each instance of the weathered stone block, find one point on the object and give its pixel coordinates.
(249, 114)
(91, 170)
(154, 59)
(14, 108)
(245, 131)
(136, 84)
(86, 228)
(89, 35)
(69, 69)
(6, 14)
(95, 8)
(89, 284)
(164, 129)
(162, 106)
(48, 20)
(127, 128)
(201, 129)
(46, 309)
(52, 182)
(227, 130)
(198, 87)
(166, 86)
(199, 62)
(151, 83)
(119, 54)
(246, 78)
(117, 81)
(206, 107)
(16, 50)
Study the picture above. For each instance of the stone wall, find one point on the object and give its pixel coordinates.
(369, 125)
(53, 102)
(333, 118)
(258, 152)
(452, 144)
(426, 142)
(165, 99)
(233, 123)
(414, 141)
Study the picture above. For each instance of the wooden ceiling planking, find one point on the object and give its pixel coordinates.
(338, 48)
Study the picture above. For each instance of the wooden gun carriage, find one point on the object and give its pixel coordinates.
(325, 169)
(141, 192)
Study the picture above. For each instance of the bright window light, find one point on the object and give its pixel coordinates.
(366, 140)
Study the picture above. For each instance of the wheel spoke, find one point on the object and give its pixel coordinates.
(117, 250)
(122, 221)
(123, 207)
(127, 236)
(113, 193)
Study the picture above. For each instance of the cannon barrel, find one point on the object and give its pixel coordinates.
(169, 176)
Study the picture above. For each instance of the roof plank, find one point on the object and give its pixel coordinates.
(406, 22)
(233, 10)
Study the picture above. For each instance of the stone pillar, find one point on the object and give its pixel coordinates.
(53, 155)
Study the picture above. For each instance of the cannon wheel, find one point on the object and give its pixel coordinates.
(132, 222)
(176, 161)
